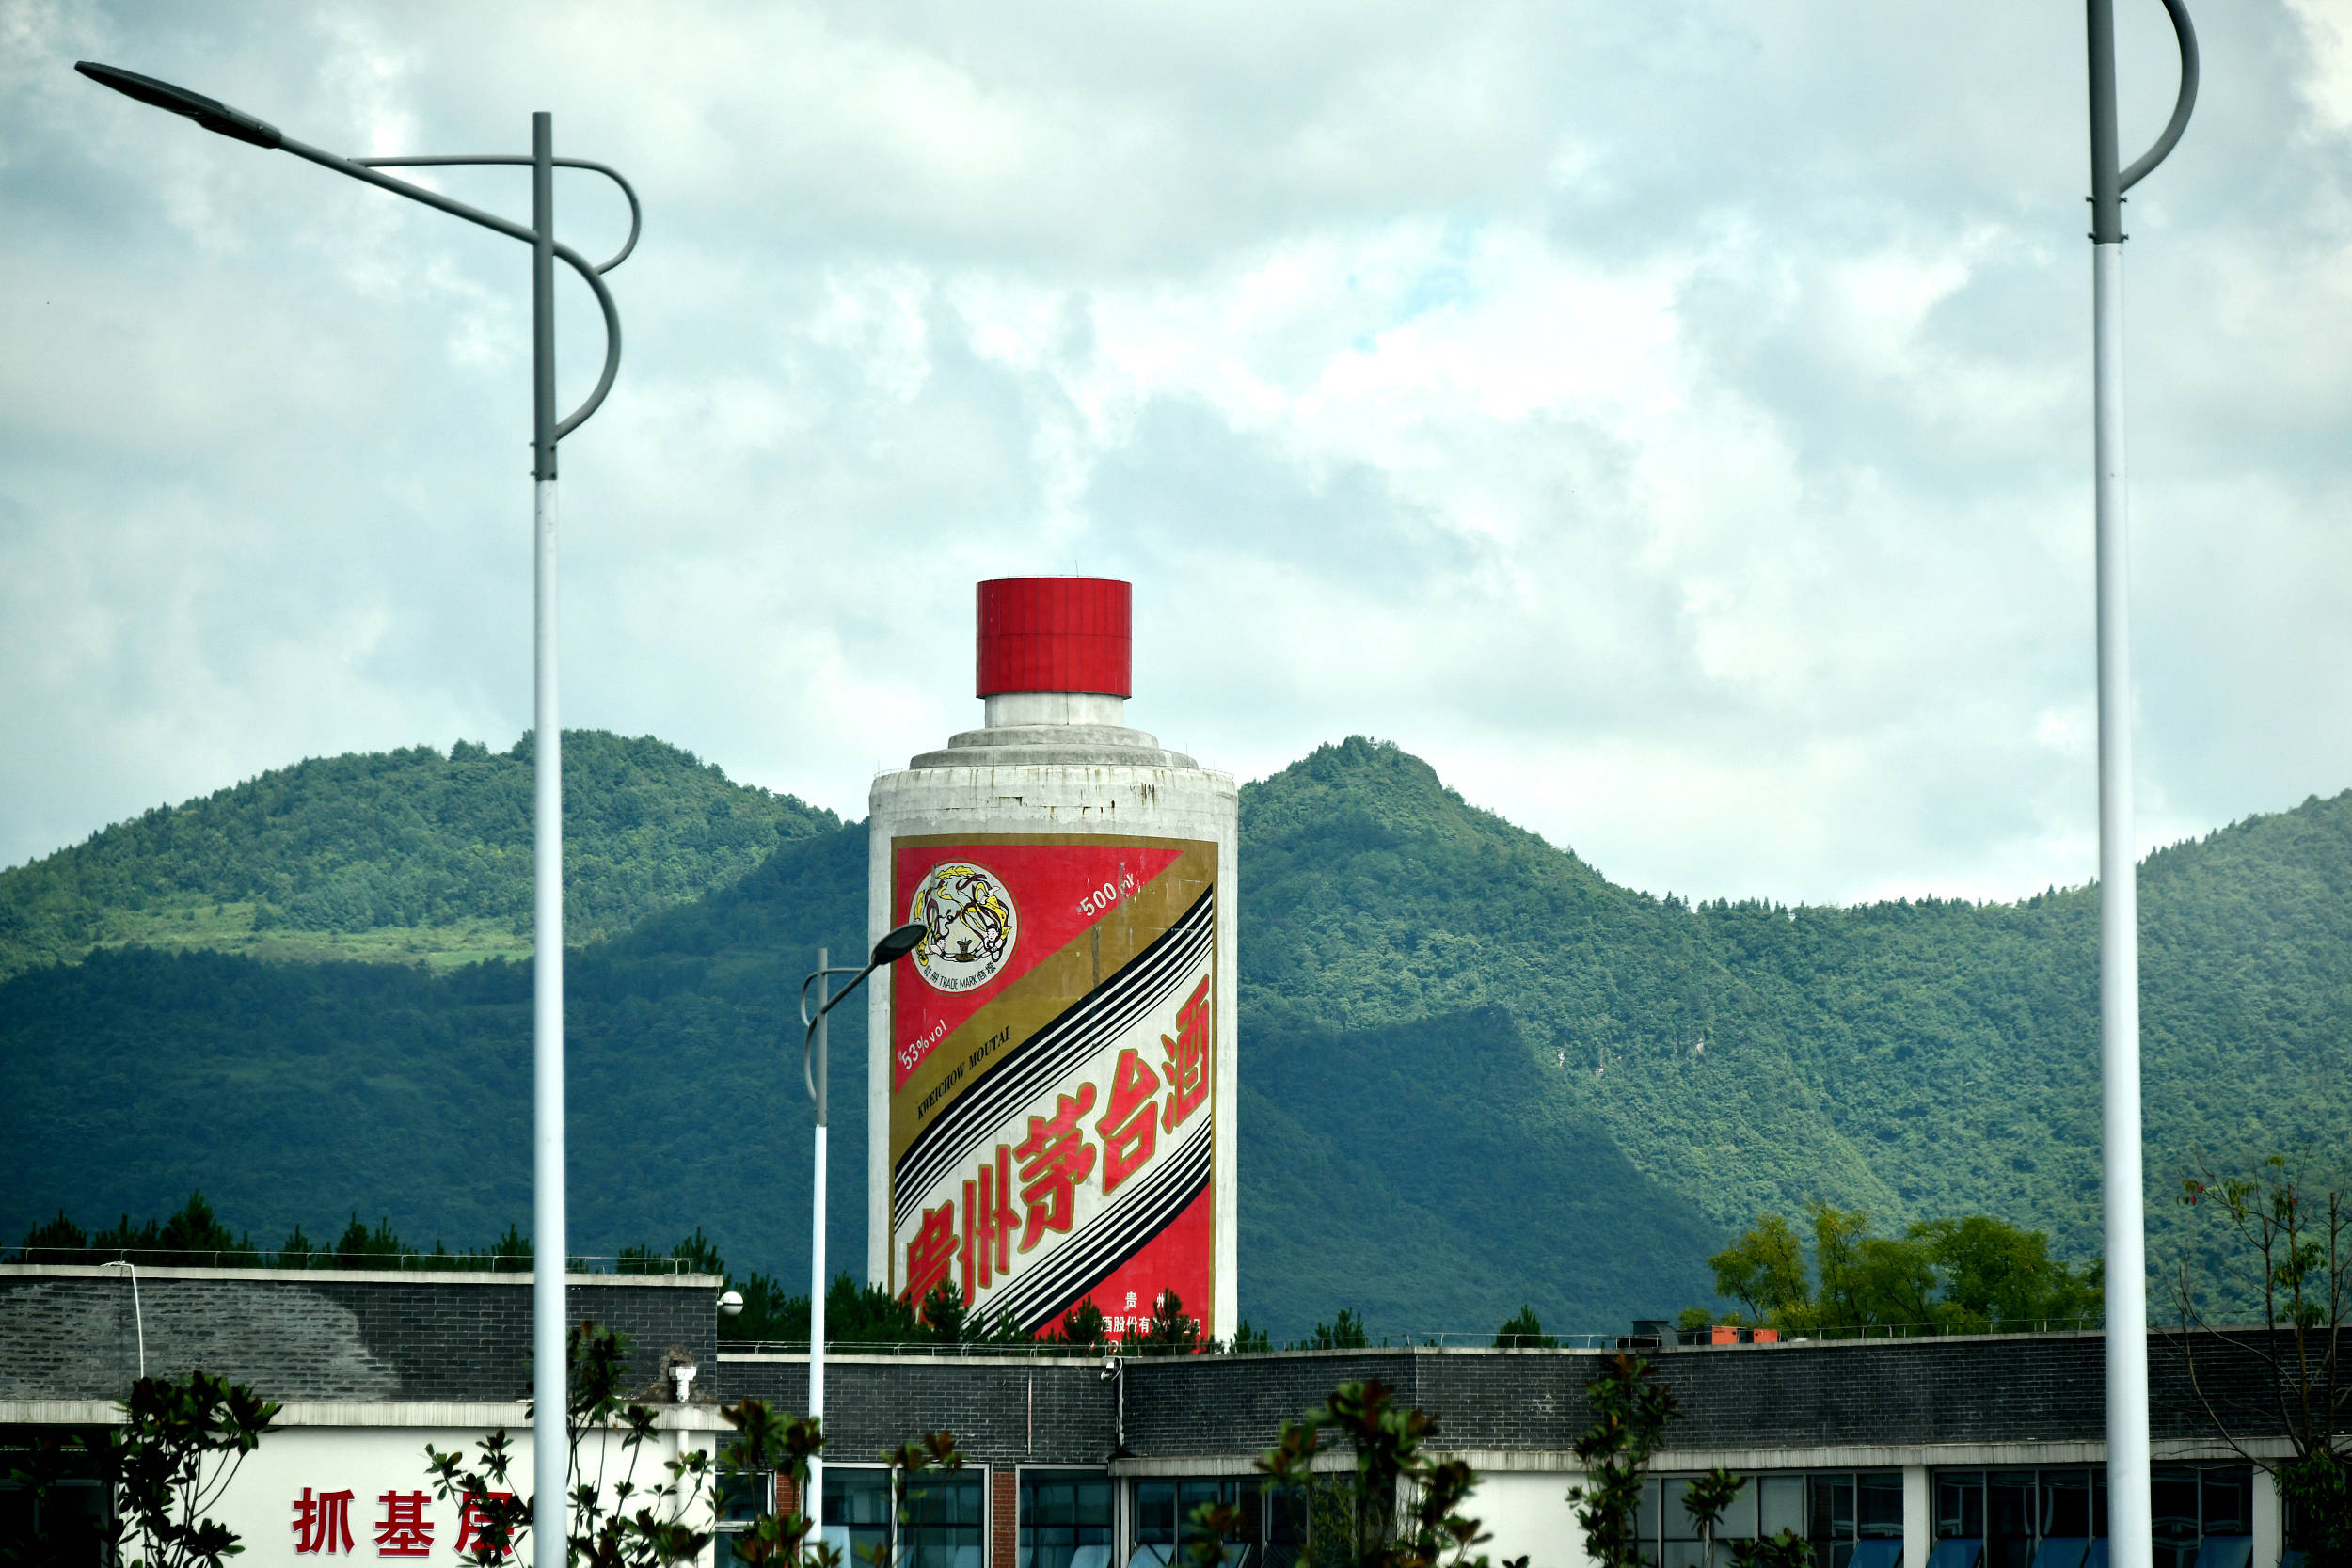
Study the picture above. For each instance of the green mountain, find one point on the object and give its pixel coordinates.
(1474, 1072)
(401, 855)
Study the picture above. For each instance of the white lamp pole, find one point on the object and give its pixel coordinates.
(550, 1249)
(2129, 1522)
(892, 947)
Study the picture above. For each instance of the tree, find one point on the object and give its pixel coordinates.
(1083, 1327)
(1630, 1408)
(767, 1443)
(1976, 1273)
(1786, 1550)
(1523, 1330)
(1764, 1270)
(770, 1443)
(603, 1528)
(178, 1446)
(1345, 1330)
(1705, 1500)
(2293, 1249)
(1247, 1340)
(1396, 1509)
(1170, 1332)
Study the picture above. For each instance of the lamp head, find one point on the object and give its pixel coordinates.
(899, 943)
(731, 1302)
(210, 113)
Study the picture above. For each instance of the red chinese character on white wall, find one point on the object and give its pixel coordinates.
(482, 1528)
(404, 1532)
(323, 1524)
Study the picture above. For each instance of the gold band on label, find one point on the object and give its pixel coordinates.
(1048, 989)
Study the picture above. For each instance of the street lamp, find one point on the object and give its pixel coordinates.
(892, 947)
(549, 1245)
(2129, 1498)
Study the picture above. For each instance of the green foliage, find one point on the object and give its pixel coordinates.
(1704, 1500)
(1523, 1330)
(1345, 1330)
(767, 1443)
(1639, 1076)
(2286, 1243)
(1973, 1274)
(436, 849)
(611, 1517)
(1396, 1508)
(1630, 1408)
(1170, 1332)
(1787, 1550)
(168, 1465)
(1083, 1327)
(1247, 1340)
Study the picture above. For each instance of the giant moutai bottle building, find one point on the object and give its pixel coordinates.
(1052, 1109)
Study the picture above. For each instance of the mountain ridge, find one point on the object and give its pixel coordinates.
(1629, 1077)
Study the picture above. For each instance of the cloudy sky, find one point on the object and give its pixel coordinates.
(1669, 419)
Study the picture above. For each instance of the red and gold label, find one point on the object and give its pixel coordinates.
(1053, 1056)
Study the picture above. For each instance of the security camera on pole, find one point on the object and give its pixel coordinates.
(2128, 1497)
(549, 1248)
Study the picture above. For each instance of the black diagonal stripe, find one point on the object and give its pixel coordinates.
(1046, 1057)
(1043, 1061)
(1094, 1254)
(1074, 1272)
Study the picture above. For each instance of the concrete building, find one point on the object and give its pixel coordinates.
(1960, 1452)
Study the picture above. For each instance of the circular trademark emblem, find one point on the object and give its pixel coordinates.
(969, 926)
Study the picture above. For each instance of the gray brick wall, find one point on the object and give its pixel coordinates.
(322, 1336)
(874, 1403)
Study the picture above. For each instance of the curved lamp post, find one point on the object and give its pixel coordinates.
(892, 948)
(549, 1245)
(2130, 1525)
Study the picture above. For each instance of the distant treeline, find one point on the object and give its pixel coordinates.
(855, 1314)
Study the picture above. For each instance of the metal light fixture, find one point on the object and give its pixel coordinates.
(549, 1236)
(893, 946)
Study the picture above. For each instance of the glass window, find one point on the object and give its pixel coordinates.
(1959, 1505)
(2175, 1504)
(2065, 1504)
(1165, 1522)
(2228, 1502)
(856, 1514)
(1879, 1505)
(2015, 1511)
(1061, 1512)
(943, 1516)
(1781, 1501)
(1832, 1531)
(1285, 1526)
(2011, 1499)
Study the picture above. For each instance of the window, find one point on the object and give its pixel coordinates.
(1062, 1513)
(944, 1518)
(1164, 1522)
(2022, 1518)
(740, 1498)
(1847, 1508)
(2049, 1518)
(1834, 1511)
(857, 1511)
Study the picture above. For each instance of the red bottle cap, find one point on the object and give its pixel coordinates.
(1055, 634)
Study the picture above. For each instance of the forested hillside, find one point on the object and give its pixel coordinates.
(400, 855)
(1474, 1071)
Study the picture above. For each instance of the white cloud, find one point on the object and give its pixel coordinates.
(1671, 421)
